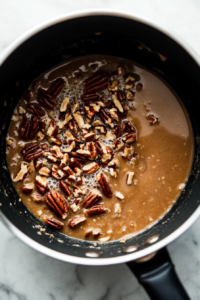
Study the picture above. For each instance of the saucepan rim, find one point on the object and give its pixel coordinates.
(126, 257)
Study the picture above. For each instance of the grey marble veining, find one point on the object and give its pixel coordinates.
(28, 275)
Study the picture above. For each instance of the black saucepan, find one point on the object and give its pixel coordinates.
(129, 37)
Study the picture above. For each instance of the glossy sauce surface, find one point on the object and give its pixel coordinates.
(165, 152)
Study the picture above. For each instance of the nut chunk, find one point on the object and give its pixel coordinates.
(76, 220)
(96, 210)
(129, 178)
(104, 185)
(41, 184)
(54, 223)
(57, 204)
(91, 199)
(153, 119)
(22, 173)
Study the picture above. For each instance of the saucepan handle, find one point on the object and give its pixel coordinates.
(159, 278)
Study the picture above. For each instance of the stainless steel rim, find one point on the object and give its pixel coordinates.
(127, 257)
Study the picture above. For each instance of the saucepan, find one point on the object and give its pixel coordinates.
(130, 37)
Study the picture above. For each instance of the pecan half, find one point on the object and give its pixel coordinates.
(89, 97)
(57, 204)
(64, 187)
(96, 210)
(41, 184)
(91, 146)
(104, 185)
(56, 87)
(30, 148)
(76, 220)
(54, 223)
(36, 109)
(127, 126)
(91, 199)
(96, 83)
(129, 138)
(26, 189)
(33, 156)
(46, 99)
(29, 128)
(90, 168)
(153, 119)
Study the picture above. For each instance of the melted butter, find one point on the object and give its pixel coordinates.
(165, 150)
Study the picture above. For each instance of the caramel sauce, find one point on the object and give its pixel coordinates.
(165, 152)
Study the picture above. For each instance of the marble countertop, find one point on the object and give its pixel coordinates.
(28, 275)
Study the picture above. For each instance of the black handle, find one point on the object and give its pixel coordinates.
(159, 278)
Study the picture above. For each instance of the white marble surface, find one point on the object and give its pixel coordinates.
(28, 275)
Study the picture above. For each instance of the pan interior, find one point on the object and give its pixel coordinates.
(114, 36)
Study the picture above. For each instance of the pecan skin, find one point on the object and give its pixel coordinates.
(36, 109)
(56, 87)
(127, 126)
(93, 150)
(54, 223)
(96, 83)
(26, 190)
(96, 210)
(46, 99)
(129, 138)
(57, 204)
(33, 156)
(35, 126)
(76, 220)
(29, 128)
(121, 96)
(65, 188)
(89, 97)
(91, 199)
(30, 148)
(104, 185)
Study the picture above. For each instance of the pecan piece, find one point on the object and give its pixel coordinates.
(104, 185)
(129, 179)
(91, 199)
(153, 119)
(33, 156)
(107, 120)
(55, 141)
(64, 161)
(41, 184)
(127, 151)
(37, 197)
(101, 128)
(57, 204)
(96, 83)
(139, 87)
(90, 111)
(22, 173)
(130, 95)
(129, 138)
(64, 187)
(77, 190)
(56, 87)
(127, 126)
(68, 171)
(129, 81)
(26, 189)
(96, 210)
(114, 114)
(75, 163)
(93, 150)
(113, 173)
(89, 97)
(90, 168)
(72, 125)
(91, 136)
(52, 130)
(54, 223)
(44, 171)
(117, 103)
(121, 96)
(36, 109)
(76, 220)
(117, 145)
(113, 85)
(46, 99)
(117, 131)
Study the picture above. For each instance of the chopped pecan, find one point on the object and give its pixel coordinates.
(52, 130)
(64, 187)
(79, 119)
(96, 83)
(91, 136)
(70, 137)
(64, 104)
(117, 145)
(129, 138)
(110, 135)
(119, 195)
(57, 173)
(113, 85)
(33, 156)
(29, 128)
(76, 220)
(117, 209)
(95, 106)
(83, 153)
(63, 124)
(46, 99)
(120, 71)
(38, 164)
(36, 109)
(129, 179)
(79, 180)
(105, 103)
(127, 151)
(107, 154)
(127, 126)
(129, 81)
(121, 96)
(22, 173)
(64, 161)
(74, 105)
(139, 87)
(117, 103)
(37, 197)
(55, 150)
(41, 184)
(99, 147)
(96, 210)
(91, 146)
(75, 205)
(107, 120)
(44, 146)
(68, 171)
(40, 136)
(75, 163)
(80, 111)
(130, 95)
(101, 128)
(94, 232)
(104, 185)
(89, 97)
(45, 171)
(91, 199)
(114, 163)
(90, 168)
(117, 131)
(71, 146)
(77, 190)
(27, 188)
(113, 173)
(56, 87)
(55, 141)
(57, 204)
(153, 119)
(54, 223)
(114, 114)
(90, 112)
(72, 125)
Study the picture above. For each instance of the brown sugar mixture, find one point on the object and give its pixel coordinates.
(99, 148)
